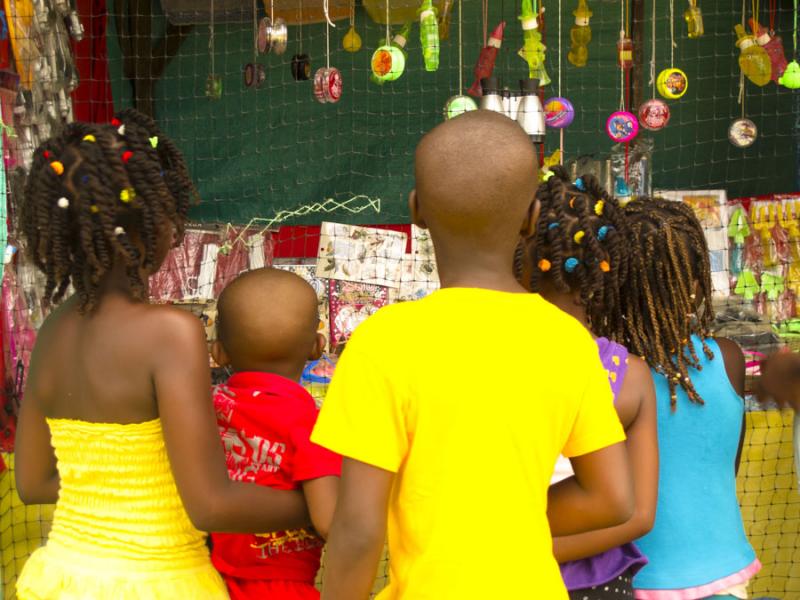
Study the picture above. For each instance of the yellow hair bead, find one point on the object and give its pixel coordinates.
(544, 265)
(58, 167)
(572, 202)
(93, 209)
(604, 266)
(578, 237)
(89, 138)
(127, 195)
(598, 207)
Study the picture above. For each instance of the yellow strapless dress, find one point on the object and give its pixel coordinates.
(120, 531)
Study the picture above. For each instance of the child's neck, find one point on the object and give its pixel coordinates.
(470, 268)
(567, 302)
(287, 371)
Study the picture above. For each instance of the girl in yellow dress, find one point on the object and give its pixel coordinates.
(117, 424)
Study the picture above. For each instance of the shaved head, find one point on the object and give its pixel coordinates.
(267, 320)
(475, 179)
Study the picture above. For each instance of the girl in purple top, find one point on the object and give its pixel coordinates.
(578, 261)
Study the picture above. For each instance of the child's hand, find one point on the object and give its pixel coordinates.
(780, 380)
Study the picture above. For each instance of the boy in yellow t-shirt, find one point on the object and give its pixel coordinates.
(451, 411)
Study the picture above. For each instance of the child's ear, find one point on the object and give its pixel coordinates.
(529, 225)
(413, 210)
(319, 347)
(219, 355)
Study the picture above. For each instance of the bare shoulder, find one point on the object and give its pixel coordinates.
(635, 390)
(172, 327)
(733, 358)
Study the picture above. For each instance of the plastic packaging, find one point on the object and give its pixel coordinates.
(533, 51)
(429, 35)
(773, 45)
(753, 59)
(738, 232)
(486, 59)
(624, 51)
(580, 35)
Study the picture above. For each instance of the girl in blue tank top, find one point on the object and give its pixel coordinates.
(578, 261)
(697, 547)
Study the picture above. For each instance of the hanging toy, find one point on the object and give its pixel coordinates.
(624, 51)
(773, 46)
(328, 79)
(672, 83)
(388, 63)
(694, 20)
(533, 52)
(444, 19)
(458, 105)
(753, 59)
(558, 113)
(301, 67)
(399, 41)
(791, 76)
(530, 112)
(622, 126)
(485, 65)
(580, 35)
(352, 41)
(654, 114)
(742, 133)
(429, 35)
(254, 73)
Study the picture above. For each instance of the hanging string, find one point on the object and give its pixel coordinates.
(621, 70)
(653, 50)
(328, 25)
(211, 40)
(300, 27)
(672, 44)
(352, 13)
(255, 31)
(794, 37)
(755, 9)
(460, 51)
(485, 16)
(773, 8)
(740, 100)
(272, 11)
(388, 29)
(561, 130)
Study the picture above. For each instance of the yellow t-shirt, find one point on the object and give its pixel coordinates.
(469, 396)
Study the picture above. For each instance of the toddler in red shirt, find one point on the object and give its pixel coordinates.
(266, 331)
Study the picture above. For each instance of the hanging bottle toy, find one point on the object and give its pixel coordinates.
(694, 20)
(773, 45)
(791, 76)
(753, 59)
(580, 35)
(624, 51)
(352, 41)
(533, 52)
(485, 65)
(429, 35)
(399, 41)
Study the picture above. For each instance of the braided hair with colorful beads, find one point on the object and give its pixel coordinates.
(100, 194)
(669, 295)
(579, 246)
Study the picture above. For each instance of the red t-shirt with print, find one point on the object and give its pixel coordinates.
(265, 422)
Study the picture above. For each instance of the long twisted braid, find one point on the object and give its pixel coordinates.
(580, 245)
(669, 295)
(98, 194)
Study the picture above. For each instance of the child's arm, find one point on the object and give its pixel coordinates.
(358, 531)
(636, 405)
(320, 496)
(780, 380)
(34, 458)
(182, 385)
(735, 367)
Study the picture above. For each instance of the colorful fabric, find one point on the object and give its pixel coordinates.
(619, 588)
(273, 589)
(597, 571)
(119, 529)
(467, 420)
(265, 422)
(732, 586)
(698, 545)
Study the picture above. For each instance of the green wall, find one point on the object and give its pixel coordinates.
(256, 152)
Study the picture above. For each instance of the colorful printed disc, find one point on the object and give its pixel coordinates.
(622, 126)
(558, 112)
(654, 114)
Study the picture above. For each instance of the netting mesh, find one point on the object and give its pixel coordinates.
(272, 164)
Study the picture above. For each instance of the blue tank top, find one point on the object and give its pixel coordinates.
(698, 536)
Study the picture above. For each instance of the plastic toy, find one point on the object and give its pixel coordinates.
(622, 126)
(458, 105)
(624, 51)
(388, 63)
(773, 45)
(580, 35)
(301, 67)
(327, 85)
(791, 76)
(753, 59)
(485, 65)
(694, 20)
(429, 35)
(530, 112)
(742, 133)
(558, 112)
(533, 52)
(398, 41)
(490, 98)
(672, 83)
(351, 41)
(654, 114)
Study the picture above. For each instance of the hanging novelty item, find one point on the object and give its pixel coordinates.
(773, 46)
(654, 114)
(487, 58)
(490, 97)
(791, 76)
(624, 51)
(273, 34)
(388, 61)
(580, 35)
(742, 133)
(399, 41)
(444, 19)
(213, 81)
(429, 35)
(458, 105)
(530, 112)
(352, 41)
(254, 74)
(622, 126)
(558, 112)
(533, 51)
(672, 83)
(753, 59)
(694, 20)
(327, 80)
(301, 63)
